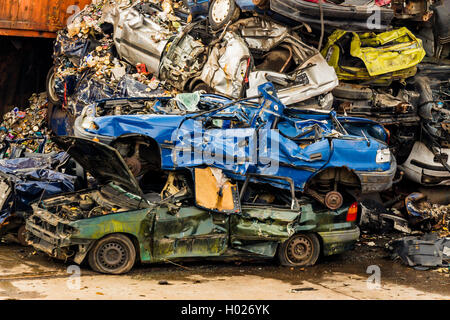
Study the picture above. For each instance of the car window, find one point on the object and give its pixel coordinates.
(258, 190)
(266, 195)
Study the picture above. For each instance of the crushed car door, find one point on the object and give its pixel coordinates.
(182, 231)
(267, 217)
(188, 232)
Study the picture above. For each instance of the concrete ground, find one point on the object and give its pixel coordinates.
(27, 274)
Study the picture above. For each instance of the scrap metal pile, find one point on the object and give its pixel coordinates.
(355, 94)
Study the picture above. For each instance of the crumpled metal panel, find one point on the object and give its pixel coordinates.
(312, 76)
(32, 178)
(183, 61)
(264, 35)
(386, 56)
(311, 82)
(425, 251)
(227, 65)
(138, 38)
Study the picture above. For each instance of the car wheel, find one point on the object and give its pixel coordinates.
(300, 250)
(50, 87)
(353, 92)
(21, 235)
(221, 12)
(114, 254)
(201, 86)
(334, 200)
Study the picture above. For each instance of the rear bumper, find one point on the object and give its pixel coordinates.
(374, 181)
(335, 242)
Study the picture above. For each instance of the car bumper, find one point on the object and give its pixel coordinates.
(45, 240)
(48, 233)
(377, 181)
(335, 242)
(422, 168)
(80, 132)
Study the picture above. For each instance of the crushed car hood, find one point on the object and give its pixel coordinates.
(103, 162)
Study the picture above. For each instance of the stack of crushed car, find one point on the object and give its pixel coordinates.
(277, 126)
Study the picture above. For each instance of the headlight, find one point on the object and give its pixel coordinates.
(383, 156)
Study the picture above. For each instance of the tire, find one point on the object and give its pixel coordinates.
(50, 87)
(118, 249)
(21, 235)
(310, 249)
(352, 92)
(221, 12)
(201, 86)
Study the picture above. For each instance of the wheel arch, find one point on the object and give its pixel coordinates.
(154, 145)
(133, 238)
(349, 173)
(314, 257)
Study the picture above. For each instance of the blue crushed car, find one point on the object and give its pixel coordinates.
(26, 179)
(323, 154)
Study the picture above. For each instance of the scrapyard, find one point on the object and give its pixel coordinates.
(283, 139)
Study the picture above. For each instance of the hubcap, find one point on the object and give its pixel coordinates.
(299, 249)
(51, 88)
(220, 10)
(112, 255)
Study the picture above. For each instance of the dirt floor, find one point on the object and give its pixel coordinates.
(27, 274)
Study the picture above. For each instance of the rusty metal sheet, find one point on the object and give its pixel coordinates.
(37, 18)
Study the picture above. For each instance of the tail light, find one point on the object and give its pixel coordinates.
(352, 212)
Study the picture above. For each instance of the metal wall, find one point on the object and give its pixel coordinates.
(36, 18)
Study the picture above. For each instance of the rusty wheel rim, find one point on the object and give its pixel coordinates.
(21, 235)
(299, 249)
(334, 200)
(134, 165)
(51, 87)
(112, 255)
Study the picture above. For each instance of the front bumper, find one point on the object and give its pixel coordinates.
(335, 242)
(80, 132)
(375, 181)
(422, 167)
(51, 234)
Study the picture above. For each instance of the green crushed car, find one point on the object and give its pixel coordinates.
(171, 216)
